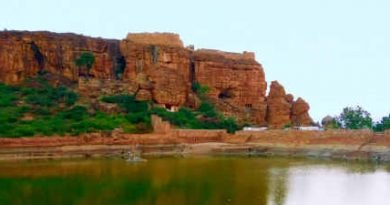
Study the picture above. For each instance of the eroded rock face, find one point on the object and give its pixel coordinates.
(236, 83)
(300, 113)
(157, 39)
(23, 54)
(160, 64)
(279, 108)
(283, 111)
(155, 67)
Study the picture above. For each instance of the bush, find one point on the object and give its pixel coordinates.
(76, 113)
(138, 117)
(127, 102)
(208, 110)
(200, 90)
(48, 96)
(23, 130)
(185, 118)
(85, 61)
(7, 95)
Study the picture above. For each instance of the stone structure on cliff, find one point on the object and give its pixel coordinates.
(157, 67)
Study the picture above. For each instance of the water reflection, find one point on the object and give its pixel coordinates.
(202, 180)
(323, 186)
(278, 186)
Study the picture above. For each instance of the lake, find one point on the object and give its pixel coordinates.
(195, 180)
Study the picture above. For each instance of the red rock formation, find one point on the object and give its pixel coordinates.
(23, 54)
(284, 111)
(290, 98)
(236, 81)
(157, 39)
(154, 66)
(300, 113)
(279, 109)
(160, 63)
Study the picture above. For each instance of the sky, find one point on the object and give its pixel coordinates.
(333, 53)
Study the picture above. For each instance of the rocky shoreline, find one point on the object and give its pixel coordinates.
(347, 145)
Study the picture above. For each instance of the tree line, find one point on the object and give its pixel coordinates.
(356, 118)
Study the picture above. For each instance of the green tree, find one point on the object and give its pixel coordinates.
(383, 125)
(355, 118)
(85, 61)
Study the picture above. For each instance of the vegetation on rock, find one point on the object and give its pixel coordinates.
(85, 61)
(38, 108)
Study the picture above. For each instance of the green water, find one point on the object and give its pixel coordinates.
(195, 180)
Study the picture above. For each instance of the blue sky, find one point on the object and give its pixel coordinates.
(333, 53)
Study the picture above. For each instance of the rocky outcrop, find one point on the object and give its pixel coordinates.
(160, 64)
(283, 111)
(279, 107)
(300, 113)
(236, 83)
(155, 67)
(157, 39)
(23, 54)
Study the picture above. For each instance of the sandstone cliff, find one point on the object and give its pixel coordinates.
(157, 67)
(23, 54)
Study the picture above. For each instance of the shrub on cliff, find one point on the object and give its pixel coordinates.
(183, 118)
(51, 111)
(7, 95)
(38, 92)
(128, 103)
(137, 112)
(199, 89)
(85, 62)
(37, 108)
(208, 110)
(186, 118)
(76, 113)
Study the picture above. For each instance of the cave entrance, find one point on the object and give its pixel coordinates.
(226, 94)
(154, 50)
(120, 67)
(192, 71)
(38, 56)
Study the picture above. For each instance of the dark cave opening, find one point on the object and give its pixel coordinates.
(155, 53)
(226, 94)
(120, 66)
(38, 56)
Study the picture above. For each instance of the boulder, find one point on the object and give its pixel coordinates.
(300, 113)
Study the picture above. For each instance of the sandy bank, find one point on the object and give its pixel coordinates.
(351, 145)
